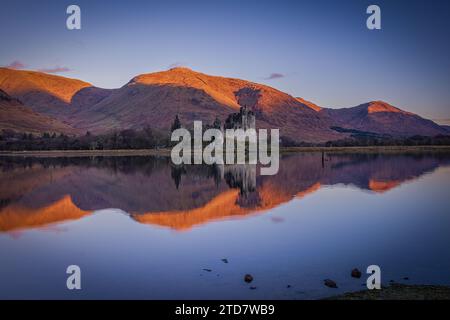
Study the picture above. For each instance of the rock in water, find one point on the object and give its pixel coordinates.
(330, 283)
(248, 278)
(356, 273)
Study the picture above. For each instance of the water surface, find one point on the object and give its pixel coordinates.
(140, 227)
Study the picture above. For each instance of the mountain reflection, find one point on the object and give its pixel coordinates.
(35, 192)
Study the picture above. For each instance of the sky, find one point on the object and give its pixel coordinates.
(319, 50)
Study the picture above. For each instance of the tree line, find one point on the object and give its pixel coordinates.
(125, 139)
(367, 141)
(148, 138)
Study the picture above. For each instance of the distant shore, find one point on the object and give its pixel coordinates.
(166, 151)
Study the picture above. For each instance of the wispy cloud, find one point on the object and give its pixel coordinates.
(176, 65)
(56, 69)
(275, 75)
(16, 64)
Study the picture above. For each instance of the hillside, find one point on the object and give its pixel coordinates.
(154, 99)
(15, 116)
(383, 118)
(45, 93)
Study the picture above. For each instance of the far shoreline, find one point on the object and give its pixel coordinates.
(165, 152)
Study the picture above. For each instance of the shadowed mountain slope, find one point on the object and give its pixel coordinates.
(383, 118)
(45, 93)
(15, 116)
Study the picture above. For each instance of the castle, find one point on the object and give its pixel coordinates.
(244, 119)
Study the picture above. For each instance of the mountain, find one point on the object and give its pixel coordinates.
(154, 99)
(17, 117)
(43, 92)
(383, 118)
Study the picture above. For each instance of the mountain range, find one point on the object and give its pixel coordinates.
(38, 102)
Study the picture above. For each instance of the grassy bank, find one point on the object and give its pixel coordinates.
(166, 152)
(88, 153)
(371, 149)
(399, 292)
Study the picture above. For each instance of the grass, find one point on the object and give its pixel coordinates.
(375, 149)
(166, 152)
(399, 292)
(88, 153)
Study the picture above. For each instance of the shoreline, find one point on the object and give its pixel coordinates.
(87, 153)
(368, 149)
(397, 291)
(166, 152)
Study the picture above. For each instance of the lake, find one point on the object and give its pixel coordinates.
(142, 228)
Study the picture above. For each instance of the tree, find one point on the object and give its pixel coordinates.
(149, 137)
(217, 124)
(176, 124)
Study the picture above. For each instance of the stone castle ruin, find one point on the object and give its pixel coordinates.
(244, 119)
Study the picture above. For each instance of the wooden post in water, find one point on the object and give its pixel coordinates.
(323, 159)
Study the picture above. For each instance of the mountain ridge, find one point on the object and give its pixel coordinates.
(382, 118)
(153, 99)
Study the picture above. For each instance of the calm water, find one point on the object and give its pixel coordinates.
(140, 228)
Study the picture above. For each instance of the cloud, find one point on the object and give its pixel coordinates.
(56, 69)
(176, 65)
(16, 64)
(275, 76)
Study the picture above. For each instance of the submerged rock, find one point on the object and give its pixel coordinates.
(225, 260)
(356, 273)
(330, 283)
(248, 278)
